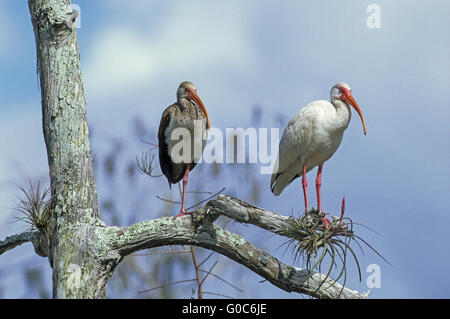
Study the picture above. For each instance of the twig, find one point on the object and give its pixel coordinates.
(209, 271)
(166, 285)
(167, 200)
(217, 294)
(200, 202)
(204, 260)
(149, 143)
(145, 165)
(197, 274)
(207, 199)
(198, 192)
(220, 278)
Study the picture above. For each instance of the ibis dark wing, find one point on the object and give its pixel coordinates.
(174, 172)
(164, 159)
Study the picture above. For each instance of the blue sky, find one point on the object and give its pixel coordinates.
(280, 55)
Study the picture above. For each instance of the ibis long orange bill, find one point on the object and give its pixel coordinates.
(348, 97)
(192, 94)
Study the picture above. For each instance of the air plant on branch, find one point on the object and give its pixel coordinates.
(312, 242)
(35, 209)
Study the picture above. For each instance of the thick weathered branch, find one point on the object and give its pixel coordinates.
(248, 214)
(13, 241)
(198, 230)
(39, 241)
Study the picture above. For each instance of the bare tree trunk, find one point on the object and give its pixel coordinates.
(64, 120)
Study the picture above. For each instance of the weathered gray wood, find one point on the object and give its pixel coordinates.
(248, 214)
(64, 120)
(117, 242)
(13, 241)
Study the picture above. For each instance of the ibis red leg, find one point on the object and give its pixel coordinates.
(326, 220)
(318, 184)
(305, 185)
(183, 196)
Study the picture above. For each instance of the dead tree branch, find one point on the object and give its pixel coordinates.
(199, 230)
(13, 241)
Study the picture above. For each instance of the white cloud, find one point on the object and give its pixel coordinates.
(117, 62)
(202, 37)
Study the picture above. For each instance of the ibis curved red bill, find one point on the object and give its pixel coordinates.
(192, 95)
(348, 97)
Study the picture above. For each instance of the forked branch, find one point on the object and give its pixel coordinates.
(198, 230)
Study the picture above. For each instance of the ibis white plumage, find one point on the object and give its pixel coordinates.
(311, 137)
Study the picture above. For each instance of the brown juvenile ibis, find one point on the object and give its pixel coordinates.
(188, 114)
(311, 137)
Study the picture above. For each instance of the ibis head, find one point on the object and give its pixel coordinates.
(342, 91)
(187, 90)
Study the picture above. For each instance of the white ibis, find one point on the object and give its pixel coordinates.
(310, 138)
(188, 109)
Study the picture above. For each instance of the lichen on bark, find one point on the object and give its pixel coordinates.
(64, 119)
